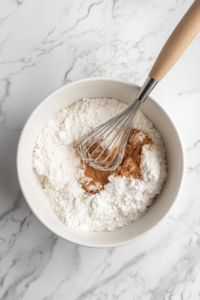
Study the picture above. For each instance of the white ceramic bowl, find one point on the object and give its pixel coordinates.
(31, 187)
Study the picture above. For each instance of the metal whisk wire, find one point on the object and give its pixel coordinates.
(112, 136)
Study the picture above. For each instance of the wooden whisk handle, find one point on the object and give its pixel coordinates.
(178, 42)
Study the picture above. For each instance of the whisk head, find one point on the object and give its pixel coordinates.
(103, 148)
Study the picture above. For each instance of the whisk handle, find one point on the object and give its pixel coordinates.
(178, 42)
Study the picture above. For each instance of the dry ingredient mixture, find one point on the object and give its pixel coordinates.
(92, 200)
(129, 167)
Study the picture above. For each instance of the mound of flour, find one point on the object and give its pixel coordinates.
(123, 199)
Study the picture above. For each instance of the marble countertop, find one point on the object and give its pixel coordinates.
(44, 45)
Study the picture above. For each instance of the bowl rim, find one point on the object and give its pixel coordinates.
(93, 245)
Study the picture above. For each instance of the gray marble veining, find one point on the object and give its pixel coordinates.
(44, 45)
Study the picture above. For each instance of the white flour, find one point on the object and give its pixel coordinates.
(123, 199)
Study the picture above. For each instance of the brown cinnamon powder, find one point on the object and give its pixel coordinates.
(129, 167)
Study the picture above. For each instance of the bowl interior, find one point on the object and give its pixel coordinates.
(31, 187)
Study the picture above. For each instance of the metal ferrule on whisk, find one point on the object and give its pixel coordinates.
(146, 89)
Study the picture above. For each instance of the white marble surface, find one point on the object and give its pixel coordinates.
(43, 45)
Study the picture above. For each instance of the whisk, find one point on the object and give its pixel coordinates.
(103, 148)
